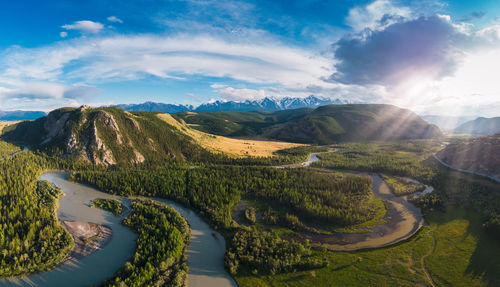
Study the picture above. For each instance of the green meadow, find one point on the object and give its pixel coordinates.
(453, 250)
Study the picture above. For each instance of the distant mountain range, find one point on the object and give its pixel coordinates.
(20, 115)
(266, 104)
(480, 126)
(446, 123)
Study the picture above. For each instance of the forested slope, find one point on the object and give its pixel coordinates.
(324, 125)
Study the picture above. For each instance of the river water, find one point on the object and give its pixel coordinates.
(205, 251)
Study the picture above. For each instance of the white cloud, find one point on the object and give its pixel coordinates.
(232, 94)
(132, 57)
(97, 60)
(428, 64)
(217, 86)
(376, 15)
(44, 95)
(63, 34)
(85, 26)
(47, 90)
(114, 19)
(278, 69)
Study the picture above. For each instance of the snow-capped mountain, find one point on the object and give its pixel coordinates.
(266, 104)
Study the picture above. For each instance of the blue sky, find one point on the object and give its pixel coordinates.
(430, 56)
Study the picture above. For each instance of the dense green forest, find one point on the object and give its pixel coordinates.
(264, 253)
(31, 238)
(111, 205)
(332, 199)
(327, 199)
(159, 258)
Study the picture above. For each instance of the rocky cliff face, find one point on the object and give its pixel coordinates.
(77, 132)
(106, 136)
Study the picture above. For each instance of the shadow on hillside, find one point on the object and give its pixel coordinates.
(478, 195)
(485, 261)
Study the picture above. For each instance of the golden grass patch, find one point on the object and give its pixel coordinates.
(231, 146)
(3, 124)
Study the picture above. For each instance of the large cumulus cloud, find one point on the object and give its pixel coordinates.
(427, 46)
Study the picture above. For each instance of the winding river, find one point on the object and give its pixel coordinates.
(207, 247)
(402, 219)
(205, 251)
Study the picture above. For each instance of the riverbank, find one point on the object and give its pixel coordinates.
(89, 238)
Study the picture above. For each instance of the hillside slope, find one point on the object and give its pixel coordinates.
(480, 126)
(105, 136)
(229, 146)
(480, 155)
(324, 125)
(239, 124)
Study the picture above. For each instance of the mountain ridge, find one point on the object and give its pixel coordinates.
(447, 123)
(20, 115)
(265, 104)
(480, 126)
(324, 125)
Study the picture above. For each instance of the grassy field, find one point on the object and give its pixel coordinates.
(452, 251)
(232, 147)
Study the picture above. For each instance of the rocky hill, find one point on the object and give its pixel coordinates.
(105, 136)
(323, 125)
(481, 155)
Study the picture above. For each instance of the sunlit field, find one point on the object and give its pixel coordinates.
(230, 146)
